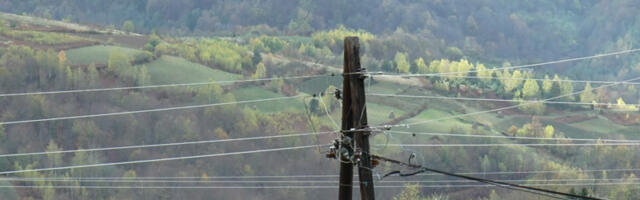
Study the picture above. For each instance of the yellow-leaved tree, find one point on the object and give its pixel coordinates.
(402, 63)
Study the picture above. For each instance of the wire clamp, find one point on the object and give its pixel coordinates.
(333, 149)
(363, 73)
(338, 94)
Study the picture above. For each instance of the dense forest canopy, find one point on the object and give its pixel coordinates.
(530, 29)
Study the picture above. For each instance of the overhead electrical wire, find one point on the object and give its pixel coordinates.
(244, 177)
(326, 110)
(524, 188)
(510, 144)
(194, 177)
(499, 100)
(165, 144)
(292, 186)
(145, 111)
(162, 159)
(521, 66)
(545, 171)
(190, 107)
(203, 180)
(534, 79)
(497, 109)
(512, 137)
(158, 86)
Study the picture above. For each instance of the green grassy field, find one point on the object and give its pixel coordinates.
(600, 124)
(384, 87)
(602, 127)
(9, 192)
(443, 126)
(96, 54)
(253, 93)
(42, 21)
(630, 132)
(316, 85)
(45, 38)
(378, 113)
(169, 69)
(594, 128)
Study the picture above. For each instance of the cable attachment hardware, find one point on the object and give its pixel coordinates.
(358, 154)
(412, 156)
(363, 73)
(333, 149)
(365, 130)
(338, 94)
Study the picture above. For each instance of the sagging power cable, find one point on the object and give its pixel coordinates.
(422, 169)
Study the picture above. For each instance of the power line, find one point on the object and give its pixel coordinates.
(203, 180)
(157, 86)
(165, 144)
(537, 172)
(498, 100)
(162, 159)
(294, 186)
(540, 184)
(145, 111)
(508, 144)
(535, 79)
(326, 110)
(243, 177)
(499, 109)
(506, 185)
(194, 177)
(512, 137)
(544, 172)
(525, 66)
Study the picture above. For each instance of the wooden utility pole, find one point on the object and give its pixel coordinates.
(346, 166)
(354, 116)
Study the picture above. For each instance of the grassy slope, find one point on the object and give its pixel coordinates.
(319, 84)
(384, 87)
(253, 93)
(600, 124)
(379, 113)
(95, 54)
(8, 193)
(169, 69)
(43, 22)
(442, 126)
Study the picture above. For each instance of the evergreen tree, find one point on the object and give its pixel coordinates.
(256, 58)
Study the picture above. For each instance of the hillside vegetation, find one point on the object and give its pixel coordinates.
(453, 44)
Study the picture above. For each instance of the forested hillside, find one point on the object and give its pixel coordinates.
(518, 30)
(113, 99)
